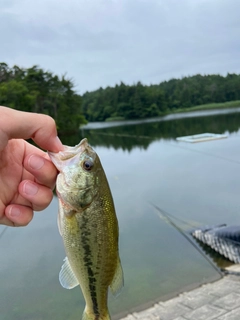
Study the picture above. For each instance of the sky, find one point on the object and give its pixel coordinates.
(99, 43)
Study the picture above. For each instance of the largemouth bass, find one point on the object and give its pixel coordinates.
(88, 225)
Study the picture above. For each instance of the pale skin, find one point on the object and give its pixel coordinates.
(27, 176)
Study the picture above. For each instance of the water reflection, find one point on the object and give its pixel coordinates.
(141, 135)
(217, 258)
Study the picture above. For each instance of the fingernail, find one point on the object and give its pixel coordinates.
(58, 144)
(14, 212)
(30, 188)
(35, 162)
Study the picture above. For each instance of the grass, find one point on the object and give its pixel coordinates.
(220, 105)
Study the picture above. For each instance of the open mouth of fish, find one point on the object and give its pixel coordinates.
(68, 156)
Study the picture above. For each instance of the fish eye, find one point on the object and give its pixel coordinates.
(87, 165)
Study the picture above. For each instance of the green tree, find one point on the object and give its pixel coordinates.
(36, 90)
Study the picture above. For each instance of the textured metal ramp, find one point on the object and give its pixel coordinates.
(223, 239)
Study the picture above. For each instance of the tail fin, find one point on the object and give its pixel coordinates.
(92, 316)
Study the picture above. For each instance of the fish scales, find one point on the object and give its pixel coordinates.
(89, 228)
(94, 255)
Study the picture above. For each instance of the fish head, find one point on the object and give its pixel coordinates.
(78, 178)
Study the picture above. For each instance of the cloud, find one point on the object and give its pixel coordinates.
(102, 42)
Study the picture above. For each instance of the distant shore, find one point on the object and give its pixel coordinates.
(209, 106)
(198, 111)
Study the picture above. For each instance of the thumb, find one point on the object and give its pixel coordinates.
(41, 128)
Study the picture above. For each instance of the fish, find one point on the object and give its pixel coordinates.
(88, 225)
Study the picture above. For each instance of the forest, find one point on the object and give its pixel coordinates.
(141, 101)
(36, 90)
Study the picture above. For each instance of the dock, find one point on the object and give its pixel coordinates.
(217, 300)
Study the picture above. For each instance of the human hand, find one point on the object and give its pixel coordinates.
(27, 176)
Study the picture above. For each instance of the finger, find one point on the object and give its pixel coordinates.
(38, 195)
(40, 166)
(42, 169)
(25, 125)
(17, 215)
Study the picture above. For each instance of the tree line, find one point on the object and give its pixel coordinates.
(141, 101)
(35, 90)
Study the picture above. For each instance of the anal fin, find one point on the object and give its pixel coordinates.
(117, 282)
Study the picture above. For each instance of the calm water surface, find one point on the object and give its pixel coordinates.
(144, 164)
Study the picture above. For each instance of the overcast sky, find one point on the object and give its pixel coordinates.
(102, 42)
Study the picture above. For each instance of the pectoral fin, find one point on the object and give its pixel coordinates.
(67, 277)
(117, 282)
(59, 224)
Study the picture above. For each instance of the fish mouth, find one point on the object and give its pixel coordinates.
(69, 155)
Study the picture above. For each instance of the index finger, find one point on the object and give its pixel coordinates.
(41, 128)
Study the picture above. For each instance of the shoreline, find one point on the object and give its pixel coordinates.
(186, 289)
(219, 299)
(168, 117)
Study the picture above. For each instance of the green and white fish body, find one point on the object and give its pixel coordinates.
(88, 225)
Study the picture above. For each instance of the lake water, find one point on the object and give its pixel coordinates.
(144, 164)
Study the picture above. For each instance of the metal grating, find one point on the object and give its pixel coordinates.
(222, 239)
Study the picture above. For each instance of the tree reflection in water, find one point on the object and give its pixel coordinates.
(141, 135)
